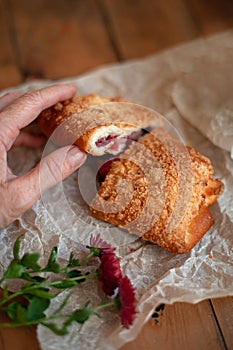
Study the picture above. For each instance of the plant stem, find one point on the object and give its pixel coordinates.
(102, 306)
(12, 296)
(43, 285)
(84, 261)
(30, 323)
(52, 317)
(53, 284)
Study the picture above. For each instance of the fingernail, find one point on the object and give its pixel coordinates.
(75, 156)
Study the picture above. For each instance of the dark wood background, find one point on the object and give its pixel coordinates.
(61, 38)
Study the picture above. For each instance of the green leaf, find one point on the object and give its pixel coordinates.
(64, 284)
(11, 310)
(74, 273)
(35, 295)
(14, 270)
(39, 279)
(77, 273)
(21, 313)
(34, 279)
(52, 265)
(81, 315)
(16, 247)
(5, 292)
(36, 308)
(39, 292)
(30, 261)
(55, 329)
(17, 312)
(73, 262)
(52, 257)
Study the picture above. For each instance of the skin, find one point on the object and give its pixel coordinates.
(17, 110)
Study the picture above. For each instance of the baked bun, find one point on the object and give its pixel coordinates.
(97, 125)
(160, 190)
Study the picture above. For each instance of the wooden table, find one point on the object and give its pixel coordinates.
(60, 38)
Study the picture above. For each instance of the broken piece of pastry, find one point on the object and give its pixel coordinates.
(97, 125)
(160, 190)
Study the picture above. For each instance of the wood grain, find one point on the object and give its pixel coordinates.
(60, 38)
(142, 27)
(181, 326)
(212, 16)
(223, 308)
(9, 70)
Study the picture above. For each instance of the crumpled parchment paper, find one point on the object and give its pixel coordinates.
(192, 86)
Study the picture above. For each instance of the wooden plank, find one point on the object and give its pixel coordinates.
(18, 339)
(212, 16)
(9, 72)
(223, 308)
(141, 27)
(60, 38)
(179, 326)
(182, 326)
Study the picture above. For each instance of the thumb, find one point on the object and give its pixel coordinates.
(58, 165)
(26, 190)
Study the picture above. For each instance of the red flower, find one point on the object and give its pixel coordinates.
(110, 273)
(127, 302)
(98, 246)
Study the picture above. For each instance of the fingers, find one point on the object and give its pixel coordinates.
(8, 98)
(16, 111)
(58, 165)
(29, 140)
(24, 191)
(3, 164)
(9, 175)
(26, 108)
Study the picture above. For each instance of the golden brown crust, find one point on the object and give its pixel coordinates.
(76, 120)
(171, 208)
(54, 116)
(50, 118)
(199, 225)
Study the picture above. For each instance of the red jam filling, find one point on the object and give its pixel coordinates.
(103, 141)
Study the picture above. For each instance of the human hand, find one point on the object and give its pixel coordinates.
(17, 194)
